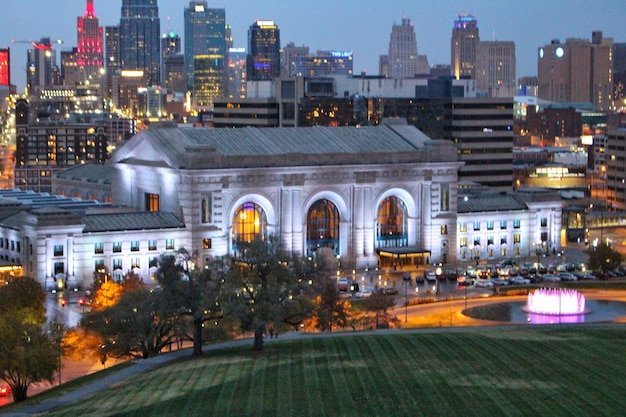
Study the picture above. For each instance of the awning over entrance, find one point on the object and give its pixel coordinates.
(404, 252)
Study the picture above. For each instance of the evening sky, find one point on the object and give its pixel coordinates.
(360, 26)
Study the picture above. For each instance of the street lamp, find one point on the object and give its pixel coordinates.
(406, 301)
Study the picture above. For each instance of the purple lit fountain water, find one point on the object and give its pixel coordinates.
(555, 302)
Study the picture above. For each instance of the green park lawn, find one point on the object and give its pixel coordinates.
(499, 371)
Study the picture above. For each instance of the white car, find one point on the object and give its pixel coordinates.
(484, 283)
(550, 278)
(519, 280)
(567, 276)
(363, 294)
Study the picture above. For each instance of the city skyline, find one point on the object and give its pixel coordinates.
(362, 26)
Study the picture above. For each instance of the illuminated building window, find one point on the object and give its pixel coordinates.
(152, 245)
(152, 202)
(322, 227)
(134, 246)
(249, 223)
(117, 247)
(444, 229)
(392, 223)
(169, 244)
(463, 227)
(206, 243)
(98, 248)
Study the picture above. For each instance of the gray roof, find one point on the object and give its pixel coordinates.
(36, 200)
(131, 221)
(489, 202)
(201, 148)
(94, 173)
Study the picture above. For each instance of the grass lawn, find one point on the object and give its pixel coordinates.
(511, 371)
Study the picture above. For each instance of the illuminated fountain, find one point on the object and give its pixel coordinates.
(555, 302)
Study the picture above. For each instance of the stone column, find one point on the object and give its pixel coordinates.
(357, 215)
(286, 220)
(297, 216)
(369, 220)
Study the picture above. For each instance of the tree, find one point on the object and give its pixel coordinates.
(379, 304)
(107, 295)
(330, 309)
(192, 293)
(263, 287)
(604, 258)
(28, 352)
(138, 325)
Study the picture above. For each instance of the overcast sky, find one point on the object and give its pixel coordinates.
(361, 26)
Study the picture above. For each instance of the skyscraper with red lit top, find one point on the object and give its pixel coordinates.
(5, 67)
(90, 45)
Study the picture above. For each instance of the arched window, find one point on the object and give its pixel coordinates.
(249, 223)
(322, 227)
(391, 224)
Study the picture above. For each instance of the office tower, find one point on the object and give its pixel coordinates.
(174, 73)
(577, 71)
(208, 78)
(403, 58)
(619, 57)
(5, 66)
(323, 63)
(89, 46)
(170, 45)
(70, 71)
(42, 70)
(463, 46)
(205, 29)
(111, 62)
(495, 68)
(288, 56)
(228, 37)
(140, 38)
(482, 129)
(236, 73)
(616, 168)
(263, 60)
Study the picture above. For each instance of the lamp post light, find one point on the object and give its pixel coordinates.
(406, 301)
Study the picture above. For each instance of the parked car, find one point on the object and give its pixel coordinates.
(567, 276)
(430, 275)
(343, 284)
(550, 278)
(499, 281)
(389, 291)
(345, 294)
(363, 294)
(419, 279)
(5, 390)
(484, 283)
(519, 280)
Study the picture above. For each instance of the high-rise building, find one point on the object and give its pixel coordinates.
(90, 48)
(42, 70)
(619, 57)
(111, 61)
(236, 73)
(616, 168)
(140, 38)
(323, 63)
(5, 66)
(495, 68)
(208, 79)
(403, 59)
(170, 45)
(463, 46)
(70, 71)
(577, 71)
(174, 73)
(288, 55)
(205, 30)
(263, 60)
